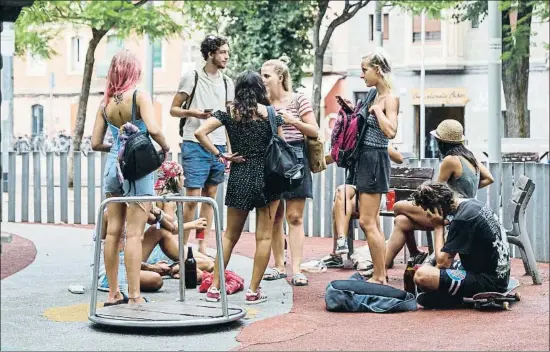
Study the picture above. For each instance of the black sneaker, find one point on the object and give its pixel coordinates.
(437, 300)
(420, 258)
(333, 261)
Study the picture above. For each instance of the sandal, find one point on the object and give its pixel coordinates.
(274, 274)
(299, 279)
(138, 297)
(124, 300)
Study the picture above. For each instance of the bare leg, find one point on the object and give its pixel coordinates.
(235, 223)
(369, 207)
(137, 215)
(208, 213)
(189, 209)
(402, 228)
(278, 239)
(343, 209)
(295, 218)
(427, 278)
(264, 229)
(150, 281)
(115, 227)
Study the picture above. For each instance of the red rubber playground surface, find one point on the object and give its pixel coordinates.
(310, 327)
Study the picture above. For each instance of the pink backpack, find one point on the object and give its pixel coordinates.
(345, 133)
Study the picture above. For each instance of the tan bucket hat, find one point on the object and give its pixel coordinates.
(450, 131)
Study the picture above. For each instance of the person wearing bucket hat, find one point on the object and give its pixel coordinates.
(459, 169)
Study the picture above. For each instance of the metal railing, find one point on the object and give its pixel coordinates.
(41, 193)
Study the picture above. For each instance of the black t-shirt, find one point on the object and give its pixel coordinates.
(478, 237)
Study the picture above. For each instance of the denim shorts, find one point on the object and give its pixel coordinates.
(200, 167)
(142, 187)
(372, 174)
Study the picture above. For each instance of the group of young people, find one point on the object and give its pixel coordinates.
(227, 126)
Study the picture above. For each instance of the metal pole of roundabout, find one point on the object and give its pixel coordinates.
(154, 314)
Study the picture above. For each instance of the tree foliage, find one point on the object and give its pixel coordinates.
(259, 31)
(40, 24)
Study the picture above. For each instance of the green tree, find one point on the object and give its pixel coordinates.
(39, 24)
(259, 31)
(516, 46)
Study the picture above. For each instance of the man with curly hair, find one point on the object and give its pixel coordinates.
(475, 234)
(200, 92)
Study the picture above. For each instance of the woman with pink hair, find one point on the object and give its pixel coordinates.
(115, 113)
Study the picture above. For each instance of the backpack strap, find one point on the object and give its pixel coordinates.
(225, 84)
(271, 116)
(134, 107)
(187, 103)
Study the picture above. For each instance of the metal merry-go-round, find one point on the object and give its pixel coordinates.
(181, 313)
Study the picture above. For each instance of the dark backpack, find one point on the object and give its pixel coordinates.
(282, 171)
(358, 295)
(140, 157)
(186, 104)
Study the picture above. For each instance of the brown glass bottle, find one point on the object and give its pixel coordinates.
(408, 277)
(190, 270)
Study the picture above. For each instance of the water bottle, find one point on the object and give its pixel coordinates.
(190, 270)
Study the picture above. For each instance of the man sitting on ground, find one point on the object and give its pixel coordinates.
(475, 233)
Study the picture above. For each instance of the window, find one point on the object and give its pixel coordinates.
(37, 119)
(157, 54)
(475, 21)
(371, 27)
(433, 30)
(78, 54)
(189, 57)
(114, 45)
(386, 26)
(36, 66)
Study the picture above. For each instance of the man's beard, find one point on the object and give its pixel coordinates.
(218, 64)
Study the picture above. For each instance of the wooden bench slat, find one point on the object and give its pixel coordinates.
(425, 173)
(406, 183)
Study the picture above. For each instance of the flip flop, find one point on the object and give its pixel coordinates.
(274, 274)
(124, 300)
(299, 279)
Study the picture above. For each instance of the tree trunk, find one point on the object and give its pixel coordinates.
(84, 94)
(317, 83)
(515, 78)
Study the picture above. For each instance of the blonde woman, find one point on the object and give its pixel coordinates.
(372, 170)
(299, 122)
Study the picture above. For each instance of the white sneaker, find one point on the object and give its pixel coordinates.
(341, 246)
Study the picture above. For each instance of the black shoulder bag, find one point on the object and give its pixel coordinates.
(282, 171)
(140, 157)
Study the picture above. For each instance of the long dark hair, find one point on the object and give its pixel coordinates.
(458, 150)
(249, 92)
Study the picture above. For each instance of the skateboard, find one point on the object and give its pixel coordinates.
(496, 300)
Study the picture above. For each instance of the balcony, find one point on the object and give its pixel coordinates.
(443, 48)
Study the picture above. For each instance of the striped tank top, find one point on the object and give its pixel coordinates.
(298, 107)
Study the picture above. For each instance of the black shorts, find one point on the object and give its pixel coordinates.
(459, 283)
(305, 190)
(372, 174)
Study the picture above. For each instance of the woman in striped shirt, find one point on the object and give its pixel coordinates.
(299, 121)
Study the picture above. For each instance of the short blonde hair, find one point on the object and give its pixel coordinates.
(379, 59)
(280, 66)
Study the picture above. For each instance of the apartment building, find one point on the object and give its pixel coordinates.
(456, 78)
(47, 91)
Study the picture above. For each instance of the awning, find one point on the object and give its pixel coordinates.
(326, 86)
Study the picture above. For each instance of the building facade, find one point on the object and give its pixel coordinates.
(456, 78)
(46, 92)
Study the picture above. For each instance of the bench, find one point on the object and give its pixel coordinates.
(518, 235)
(404, 181)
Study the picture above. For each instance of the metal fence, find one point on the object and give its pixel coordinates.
(39, 192)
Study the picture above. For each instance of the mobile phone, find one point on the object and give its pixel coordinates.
(208, 110)
(343, 104)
